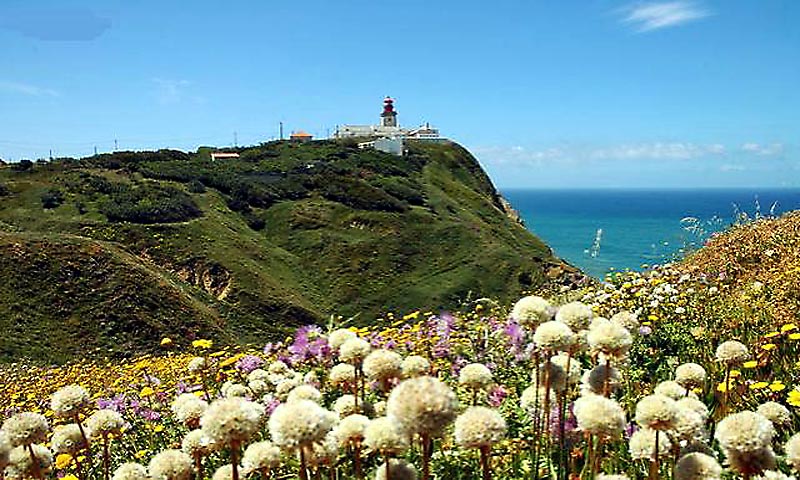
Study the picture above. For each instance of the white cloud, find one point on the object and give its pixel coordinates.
(54, 23)
(27, 89)
(657, 151)
(731, 167)
(646, 17)
(518, 155)
(169, 91)
(770, 150)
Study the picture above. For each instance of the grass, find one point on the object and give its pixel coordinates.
(252, 246)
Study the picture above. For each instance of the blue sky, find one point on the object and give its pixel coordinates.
(546, 94)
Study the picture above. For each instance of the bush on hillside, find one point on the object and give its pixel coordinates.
(117, 160)
(400, 188)
(149, 204)
(4, 191)
(357, 193)
(23, 166)
(52, 198)
(196, 186)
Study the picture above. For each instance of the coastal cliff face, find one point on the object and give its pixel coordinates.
(114, 252)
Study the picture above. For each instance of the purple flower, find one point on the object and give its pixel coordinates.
(270, 348)
(644, 330)
(444, 324)
(117, 403)
(497, 394)
(441, 349)
(309, 343)
(271, 405)
(150, 415)
(570, 422)
(630, 430)
(457, 365)
(248, 363)
(515, 334)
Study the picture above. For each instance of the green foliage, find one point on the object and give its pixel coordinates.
(149, 204)
(401, 188)
(196, 186)
(357, 193)
(52, 198)
(296, 232)
(23, 166)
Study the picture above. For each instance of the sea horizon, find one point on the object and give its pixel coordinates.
(601, 230)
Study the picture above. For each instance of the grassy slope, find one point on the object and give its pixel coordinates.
(766, 251)
(82, 280)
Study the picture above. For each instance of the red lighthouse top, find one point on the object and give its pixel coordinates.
(388, 105)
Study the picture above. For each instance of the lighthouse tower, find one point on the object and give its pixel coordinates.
(389, 115)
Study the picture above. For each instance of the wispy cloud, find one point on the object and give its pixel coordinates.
(657, 151)
(519, 155)
(55, 24)
(646, 17)
(762, 150)
(170, 91)
(27, 89)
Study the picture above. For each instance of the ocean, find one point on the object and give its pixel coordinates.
(604, 230)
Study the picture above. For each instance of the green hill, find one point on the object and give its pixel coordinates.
(115, 251)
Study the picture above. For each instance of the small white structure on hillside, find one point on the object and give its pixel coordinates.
(388, 127)
(388, 145)
(223, 155)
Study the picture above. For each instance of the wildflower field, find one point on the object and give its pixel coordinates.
(684, 371)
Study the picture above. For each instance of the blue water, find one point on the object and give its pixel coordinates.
(638, 226)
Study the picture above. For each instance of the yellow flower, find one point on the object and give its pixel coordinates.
(788, 327)
(794, 398)
(158, 428)
(794, 336)
(772, 334)
(777, 386)
(750, 364)
(202, 343)
(69, 477)
(759, 385)
(63, 460)
(652, 317)
(230, 361)
(166, 342)
(769, 346)
(722, 388)
(140, 454)
(146, 392)
(735, 373)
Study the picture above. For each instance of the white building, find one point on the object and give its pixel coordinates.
(389, 145)
(388, 127)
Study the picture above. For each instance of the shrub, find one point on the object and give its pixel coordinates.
(357, 193)
(4, 191)
(149, 204)
(23, 166)
(196, 186)
(52, 198)
(400, 188)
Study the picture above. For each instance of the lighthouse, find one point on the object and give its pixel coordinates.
(389, 115)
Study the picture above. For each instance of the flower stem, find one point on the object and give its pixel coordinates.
(235, 460)
(487, 472)
(106, 458)
(654, 463)
(37, 472)
(303, 472)
(426, 457)
(357, 459)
